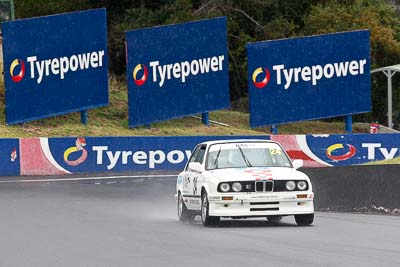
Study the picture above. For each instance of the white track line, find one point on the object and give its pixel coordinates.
(87, 178)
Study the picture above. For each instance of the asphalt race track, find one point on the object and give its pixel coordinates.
(133, 222)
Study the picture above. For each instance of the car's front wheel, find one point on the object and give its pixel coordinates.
(304, 219)
(183, 212)
(207, 220)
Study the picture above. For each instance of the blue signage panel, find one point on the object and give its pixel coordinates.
(177, 70)
(102, 154)
(9, 157)
(309, 78)
(55, 65)
(50, 156)
(344, 150)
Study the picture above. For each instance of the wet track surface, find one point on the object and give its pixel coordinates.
(133, 222)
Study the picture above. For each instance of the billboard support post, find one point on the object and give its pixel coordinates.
(274, 129)
(84, 117)
(349, 124)
(205, 119)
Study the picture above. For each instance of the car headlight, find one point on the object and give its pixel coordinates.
(290, 185)
(302, 185)
(237, 187)
(224, 187)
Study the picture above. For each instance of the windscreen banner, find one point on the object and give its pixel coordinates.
(55, 65)
(177, 70)
(308, 78)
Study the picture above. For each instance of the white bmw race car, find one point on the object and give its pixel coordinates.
(241, 179)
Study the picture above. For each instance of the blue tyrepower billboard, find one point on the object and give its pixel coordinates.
(309, 78)
(55, 65)
(177, 70)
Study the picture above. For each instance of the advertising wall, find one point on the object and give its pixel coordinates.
(177, 70)
(53, 156)
(55, 65)
(340, 150)
(56, 156)
(309, 78)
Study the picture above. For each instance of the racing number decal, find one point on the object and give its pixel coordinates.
(275, 151)
(195, 186)
(186, 182)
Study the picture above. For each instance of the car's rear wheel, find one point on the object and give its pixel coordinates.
(183, 212)
(304, 219)
(207, 220)
(274, 218)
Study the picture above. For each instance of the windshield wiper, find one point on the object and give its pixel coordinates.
(216, 159)
(246, 160)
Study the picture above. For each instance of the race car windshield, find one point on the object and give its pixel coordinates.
(242, 155)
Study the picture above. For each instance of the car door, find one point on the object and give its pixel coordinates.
(191, 188)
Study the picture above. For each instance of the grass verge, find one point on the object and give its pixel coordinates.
(113, 121)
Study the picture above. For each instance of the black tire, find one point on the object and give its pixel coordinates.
(183, 212)
(304, 219)
(207, 220)
(274, 218)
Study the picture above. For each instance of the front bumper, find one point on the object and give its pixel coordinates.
(261, 204)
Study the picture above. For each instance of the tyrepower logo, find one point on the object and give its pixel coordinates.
(265, 77)
(311, 74)
(140, 68)
(15, 65)
(338, 152)
(80, 143)
(179, 70)
(40, 68)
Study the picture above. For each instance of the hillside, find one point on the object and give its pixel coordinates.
(113, 121)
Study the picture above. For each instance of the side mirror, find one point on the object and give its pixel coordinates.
(195, 166)
(298, 163)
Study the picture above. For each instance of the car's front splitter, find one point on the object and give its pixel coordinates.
(248, 205)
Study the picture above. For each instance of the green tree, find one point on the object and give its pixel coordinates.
(35, 8)
(249, 21)
(383, 23)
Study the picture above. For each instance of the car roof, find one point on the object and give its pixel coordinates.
(225, 141)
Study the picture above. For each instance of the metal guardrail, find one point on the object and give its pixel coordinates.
(383, 128)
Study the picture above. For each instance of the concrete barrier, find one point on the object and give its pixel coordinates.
(357, 188)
